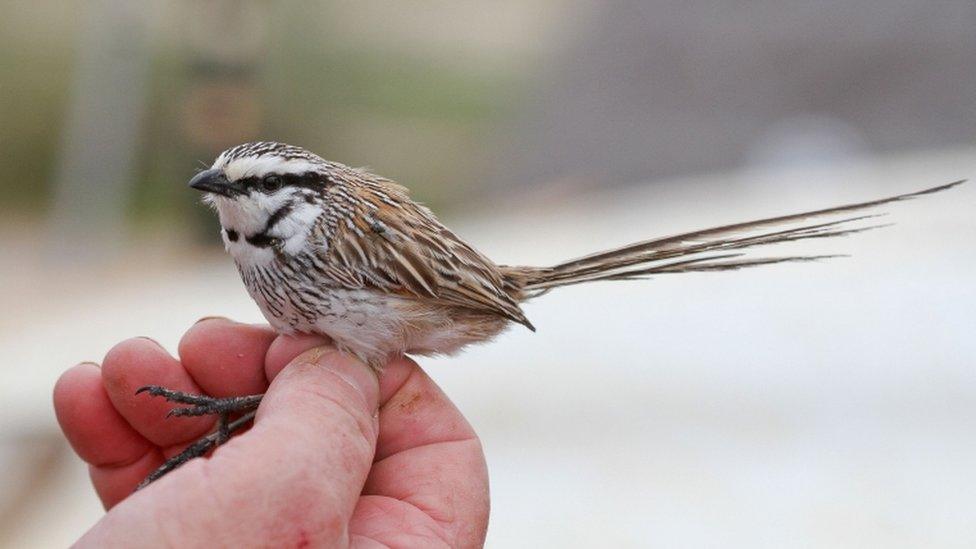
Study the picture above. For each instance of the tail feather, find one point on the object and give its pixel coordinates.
(699, 247)
(711, 264)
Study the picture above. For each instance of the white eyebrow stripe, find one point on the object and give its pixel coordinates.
(259, 166)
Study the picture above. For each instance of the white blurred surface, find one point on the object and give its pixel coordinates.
(812, 405)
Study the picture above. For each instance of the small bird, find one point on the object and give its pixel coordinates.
(327, 249)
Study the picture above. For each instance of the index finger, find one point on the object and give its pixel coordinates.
(226, 358)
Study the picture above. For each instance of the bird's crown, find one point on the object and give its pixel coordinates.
(261, 158)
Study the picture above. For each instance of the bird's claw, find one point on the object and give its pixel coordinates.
(200, 405)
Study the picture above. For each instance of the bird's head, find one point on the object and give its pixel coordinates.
(268, 196)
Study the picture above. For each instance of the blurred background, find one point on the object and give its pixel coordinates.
(823, 405)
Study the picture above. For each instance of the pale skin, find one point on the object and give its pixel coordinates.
(336, 457)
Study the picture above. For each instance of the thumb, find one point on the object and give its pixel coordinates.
(315, 435)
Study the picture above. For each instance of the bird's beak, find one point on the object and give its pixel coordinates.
(214, 181)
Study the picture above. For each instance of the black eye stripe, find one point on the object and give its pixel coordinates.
(262, 240)
(271, 183)
(308, 180)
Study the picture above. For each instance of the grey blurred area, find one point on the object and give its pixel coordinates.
(651, 89)
(826, 405)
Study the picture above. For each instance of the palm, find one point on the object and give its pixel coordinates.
(317, 467)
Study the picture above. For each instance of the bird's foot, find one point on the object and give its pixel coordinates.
(199, 405)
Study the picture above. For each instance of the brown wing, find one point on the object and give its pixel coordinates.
(396, 245)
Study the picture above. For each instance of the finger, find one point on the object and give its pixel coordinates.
(226, 358)
(428, 456)
(114, 483)
(138, 362)
(96, 431)
(118, 456)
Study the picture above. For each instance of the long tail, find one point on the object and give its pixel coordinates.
(716, 249)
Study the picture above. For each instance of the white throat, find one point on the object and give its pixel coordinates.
(245, 226)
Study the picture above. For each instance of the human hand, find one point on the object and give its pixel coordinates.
(319, 467)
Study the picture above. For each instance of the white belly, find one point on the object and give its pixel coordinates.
(370, 324)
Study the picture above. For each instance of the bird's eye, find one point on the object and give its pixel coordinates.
(271, 183)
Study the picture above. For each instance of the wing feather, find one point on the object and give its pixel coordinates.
(409, 252)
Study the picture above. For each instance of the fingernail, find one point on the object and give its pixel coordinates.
(213, 318)
(88, 363)
(147, 338)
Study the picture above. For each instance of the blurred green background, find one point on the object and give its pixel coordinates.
(397, 87)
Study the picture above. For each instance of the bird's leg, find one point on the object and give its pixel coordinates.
(200, 405)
